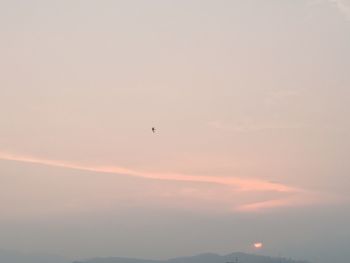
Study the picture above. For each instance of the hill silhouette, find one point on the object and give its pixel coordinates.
(8, 256)
(201, 258)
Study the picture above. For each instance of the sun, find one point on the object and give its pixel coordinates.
(258, 245)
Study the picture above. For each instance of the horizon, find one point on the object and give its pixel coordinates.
(235, 254)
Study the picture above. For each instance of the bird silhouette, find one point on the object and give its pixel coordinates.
(153, 130)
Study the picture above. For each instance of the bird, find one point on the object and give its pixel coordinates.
(153, 130)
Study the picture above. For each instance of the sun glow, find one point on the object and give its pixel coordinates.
(258, 245)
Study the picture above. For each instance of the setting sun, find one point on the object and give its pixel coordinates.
(258, 245)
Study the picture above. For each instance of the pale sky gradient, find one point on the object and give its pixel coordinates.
(250, 99)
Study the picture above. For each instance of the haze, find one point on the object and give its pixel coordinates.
(250, 100)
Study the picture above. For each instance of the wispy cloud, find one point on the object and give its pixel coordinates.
(343, 6)
(252, 126)
(281, 195)
(303, 198)
(242, 184)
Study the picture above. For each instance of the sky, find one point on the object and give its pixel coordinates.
(250, 102)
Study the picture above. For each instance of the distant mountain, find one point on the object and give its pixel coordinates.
(7, 256)
(202, 258)
(119, 260)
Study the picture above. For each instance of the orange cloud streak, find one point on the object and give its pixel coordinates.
(290, 196)
(241, 184)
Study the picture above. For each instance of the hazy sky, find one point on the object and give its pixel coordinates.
(251, 104)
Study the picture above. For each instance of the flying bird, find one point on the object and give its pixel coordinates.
(153, 130)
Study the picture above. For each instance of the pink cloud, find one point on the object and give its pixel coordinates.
(237, 192)
(241, 184)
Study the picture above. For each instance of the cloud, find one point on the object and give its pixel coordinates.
(272, 103)
(303, 198)
(343, 6)
(252, 126)
(241, 184)
(263, 205)
(281, 195)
